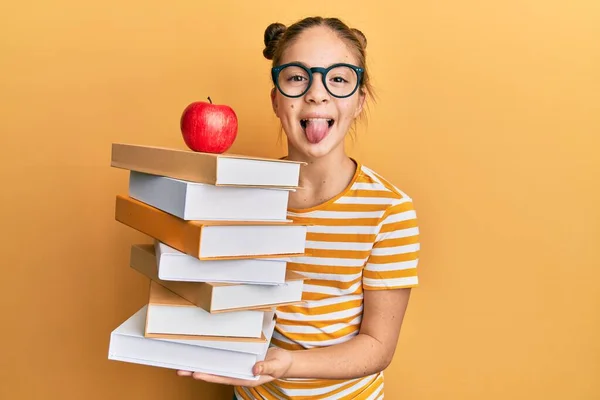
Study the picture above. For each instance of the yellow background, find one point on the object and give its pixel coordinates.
(488, 116)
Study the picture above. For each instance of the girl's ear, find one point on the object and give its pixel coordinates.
(361, 102)
(273, 102)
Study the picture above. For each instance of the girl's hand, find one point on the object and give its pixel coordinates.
(276, 364)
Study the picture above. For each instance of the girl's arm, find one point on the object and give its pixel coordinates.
(369, 352)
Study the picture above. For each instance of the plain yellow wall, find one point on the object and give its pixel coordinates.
(488, 115)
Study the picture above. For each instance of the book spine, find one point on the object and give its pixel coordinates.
(191, 166)
(197, 293)
(175, 232)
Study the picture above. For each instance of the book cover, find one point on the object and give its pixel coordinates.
(210, 239)
(174, 265)
(216, 169)
(128, 344)
(169, 313)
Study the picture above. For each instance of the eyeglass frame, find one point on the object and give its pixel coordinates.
(323, 71)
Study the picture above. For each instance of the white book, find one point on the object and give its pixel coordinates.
(228, 297)
(213, 296)
(175, 265)
(170, 314)
(234, 344)
(128, 344)
(252, 241)
(205, 202)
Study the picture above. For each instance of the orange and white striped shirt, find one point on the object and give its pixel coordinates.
(366, 238)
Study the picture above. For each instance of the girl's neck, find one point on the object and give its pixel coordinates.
(329, 168)
(322, 178)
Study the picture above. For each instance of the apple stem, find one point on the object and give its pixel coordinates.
(209, 100)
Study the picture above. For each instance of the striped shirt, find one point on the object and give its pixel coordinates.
(366, 238)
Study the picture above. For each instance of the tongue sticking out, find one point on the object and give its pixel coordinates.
(316, 130)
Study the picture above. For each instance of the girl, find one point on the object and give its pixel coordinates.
(363, 237)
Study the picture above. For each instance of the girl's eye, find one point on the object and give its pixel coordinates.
(295, 78)
(339, 79)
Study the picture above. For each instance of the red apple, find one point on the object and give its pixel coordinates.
(208, 127)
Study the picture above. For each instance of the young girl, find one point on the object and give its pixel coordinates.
(363, 238)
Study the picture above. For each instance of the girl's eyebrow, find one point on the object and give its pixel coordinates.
(308, 66)
(299, 62)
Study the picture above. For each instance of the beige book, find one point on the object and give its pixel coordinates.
(217, 169)
(213, 239)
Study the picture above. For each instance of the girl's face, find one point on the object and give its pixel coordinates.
(316, 123)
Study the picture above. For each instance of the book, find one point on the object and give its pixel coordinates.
(243, 345)
(205, 202)
(217, 297)
(168, 313)
(216, 169)
(128, 344)
(174, 265)
(226, 297)
(210, 239)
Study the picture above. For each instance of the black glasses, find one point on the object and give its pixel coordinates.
(294, 79)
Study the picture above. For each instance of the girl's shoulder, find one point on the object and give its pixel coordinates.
(371, 187)
(368, 196)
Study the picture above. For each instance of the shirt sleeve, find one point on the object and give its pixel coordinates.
(393, 261)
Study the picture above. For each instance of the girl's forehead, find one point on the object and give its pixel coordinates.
(318, 47)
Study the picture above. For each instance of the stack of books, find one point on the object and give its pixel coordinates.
(217, 261)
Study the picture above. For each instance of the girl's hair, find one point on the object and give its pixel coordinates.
(278, 38)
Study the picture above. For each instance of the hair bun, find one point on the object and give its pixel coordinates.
(273, 33)
(361, 37)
